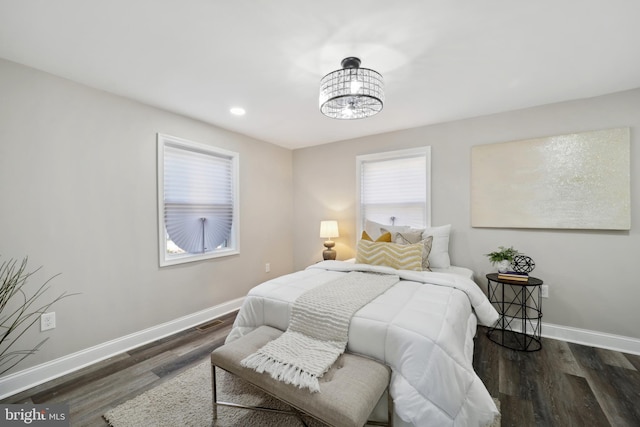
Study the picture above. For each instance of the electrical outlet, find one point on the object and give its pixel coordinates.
(48, 321)
(267, 267)
(544, 291)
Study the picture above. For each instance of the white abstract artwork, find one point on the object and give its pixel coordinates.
(574, 181)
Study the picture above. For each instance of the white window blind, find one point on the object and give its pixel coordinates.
(394, 188)
(198, 208)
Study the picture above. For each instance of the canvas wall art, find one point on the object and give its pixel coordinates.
(574, 181)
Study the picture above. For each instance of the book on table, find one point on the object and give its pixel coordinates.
(514, 275)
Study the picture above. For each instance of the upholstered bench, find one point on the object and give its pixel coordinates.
(349, 391)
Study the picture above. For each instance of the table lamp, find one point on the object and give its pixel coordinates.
(329, 230)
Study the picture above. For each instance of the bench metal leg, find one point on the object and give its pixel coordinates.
(390, 408)
(215, 392)
(215, 403)
(389, 423)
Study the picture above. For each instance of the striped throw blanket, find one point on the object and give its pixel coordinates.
(318, 329)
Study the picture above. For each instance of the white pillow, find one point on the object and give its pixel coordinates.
(439, 255)
(373, 228)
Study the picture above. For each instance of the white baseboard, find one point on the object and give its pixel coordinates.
(592, 338)
(25, 379)
(583, 336)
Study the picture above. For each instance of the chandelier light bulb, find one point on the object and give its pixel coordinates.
(355, 86)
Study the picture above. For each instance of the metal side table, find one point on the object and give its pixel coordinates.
(519, 304)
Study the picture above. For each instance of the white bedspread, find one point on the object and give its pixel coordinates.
(422, 328)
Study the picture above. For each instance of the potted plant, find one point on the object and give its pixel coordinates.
(503, 258)
(19, 310)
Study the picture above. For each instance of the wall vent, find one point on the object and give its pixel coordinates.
(209, 325)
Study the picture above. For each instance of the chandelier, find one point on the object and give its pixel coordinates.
(352, 92)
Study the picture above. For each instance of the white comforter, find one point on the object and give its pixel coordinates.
(422, 328)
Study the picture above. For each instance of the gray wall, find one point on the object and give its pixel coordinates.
(78, 186)
(592, 275)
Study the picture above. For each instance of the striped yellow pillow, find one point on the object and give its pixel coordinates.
(400, 257)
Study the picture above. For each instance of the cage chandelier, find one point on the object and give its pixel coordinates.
(352, 92)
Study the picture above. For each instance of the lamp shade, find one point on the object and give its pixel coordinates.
(351, 92)
(329, 229)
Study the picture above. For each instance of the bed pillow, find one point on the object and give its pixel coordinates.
(439, 256)
(373, 228)
(384, 237)
(426, 250)
(415, 236)
(400, 257)
(408, 237)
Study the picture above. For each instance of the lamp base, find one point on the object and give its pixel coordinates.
(329, 253)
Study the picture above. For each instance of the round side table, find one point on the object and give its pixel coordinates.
(519, 304)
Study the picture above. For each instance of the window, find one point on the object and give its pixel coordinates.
(394, 188)
(197, 201)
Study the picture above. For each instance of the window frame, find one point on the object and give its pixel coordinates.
(233, 245)
(391, 155)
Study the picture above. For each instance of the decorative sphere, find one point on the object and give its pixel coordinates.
(523, 264)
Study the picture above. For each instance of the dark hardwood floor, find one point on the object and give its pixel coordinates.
(562, 385)
(92, 391)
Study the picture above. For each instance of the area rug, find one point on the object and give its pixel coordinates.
(186, 401)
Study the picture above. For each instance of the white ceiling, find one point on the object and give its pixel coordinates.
(442, 60)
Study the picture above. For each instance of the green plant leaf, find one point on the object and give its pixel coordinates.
(17, 312)
(502, 254)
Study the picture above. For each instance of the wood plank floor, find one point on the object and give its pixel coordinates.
(562, 385)
(92, 391)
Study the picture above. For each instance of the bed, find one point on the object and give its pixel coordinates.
(422, 327)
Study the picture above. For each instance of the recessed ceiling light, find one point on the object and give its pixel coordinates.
(237, 111)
